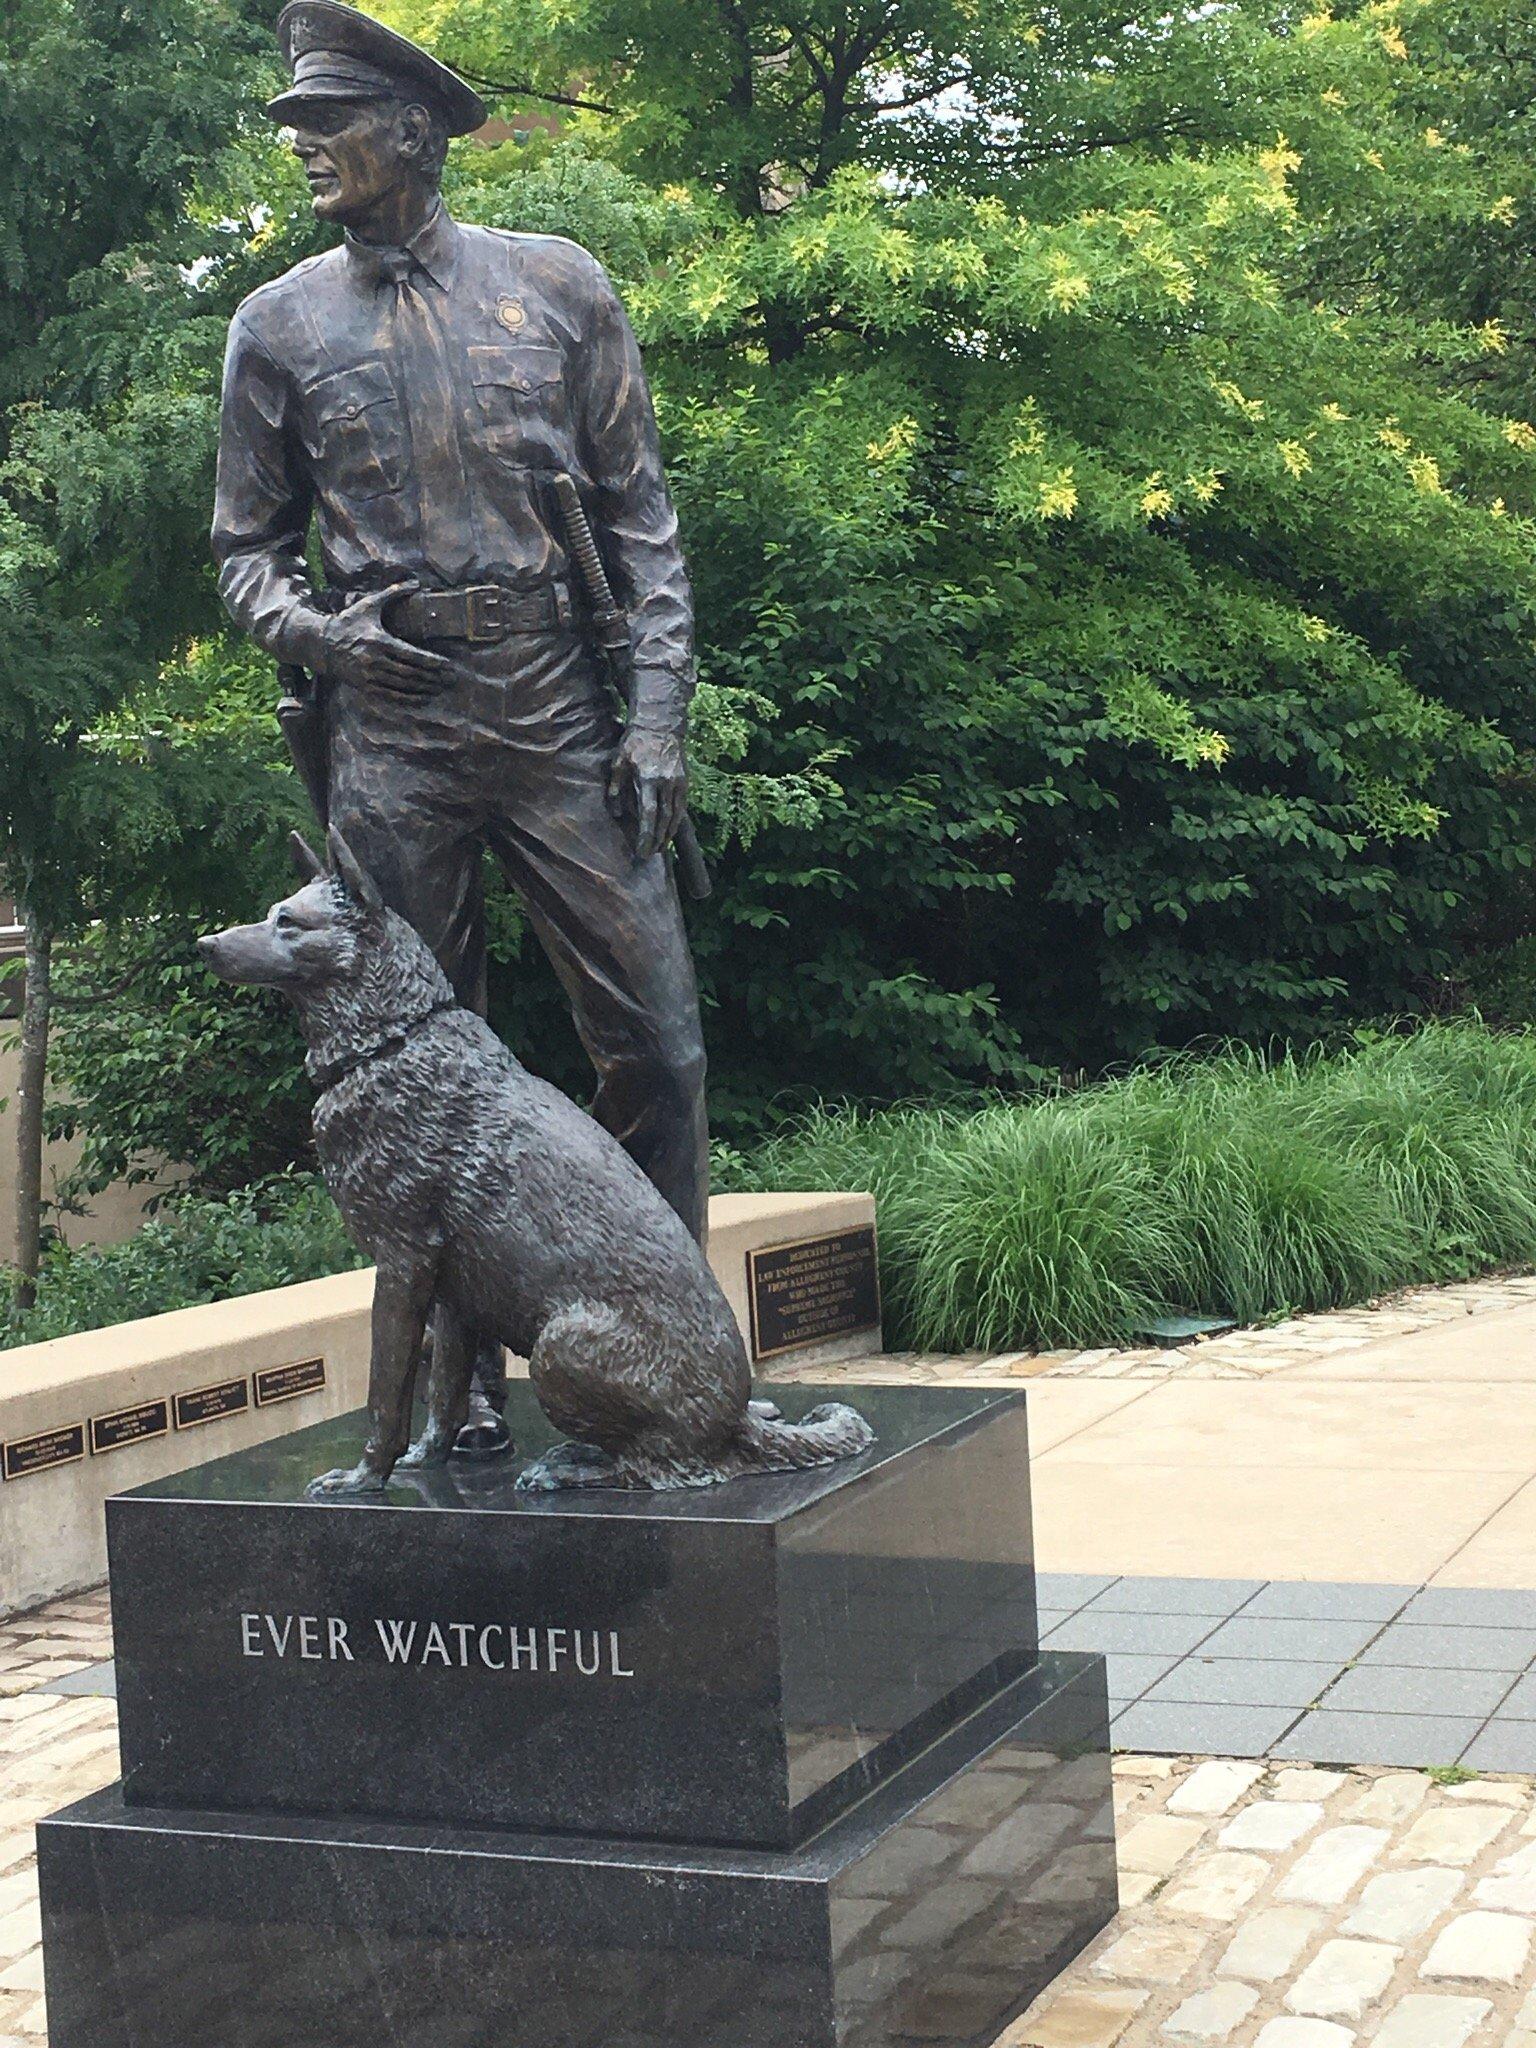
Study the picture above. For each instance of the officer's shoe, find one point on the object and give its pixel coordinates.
(485, 1434)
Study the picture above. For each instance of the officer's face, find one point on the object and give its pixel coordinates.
(355, 153)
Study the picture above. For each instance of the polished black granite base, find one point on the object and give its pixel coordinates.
(931, 1913)
(729, 1665)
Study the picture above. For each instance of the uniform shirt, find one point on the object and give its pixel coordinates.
(420, 428)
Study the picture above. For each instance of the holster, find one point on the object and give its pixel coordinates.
(301, 714)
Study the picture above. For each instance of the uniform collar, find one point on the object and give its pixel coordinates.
(434, 247)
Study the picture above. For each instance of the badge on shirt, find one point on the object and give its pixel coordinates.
(511, 313)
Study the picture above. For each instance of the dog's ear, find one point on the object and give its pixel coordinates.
(359, 884)
(305, 858)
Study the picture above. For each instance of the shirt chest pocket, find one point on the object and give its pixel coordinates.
(355, 431)
(517, 391)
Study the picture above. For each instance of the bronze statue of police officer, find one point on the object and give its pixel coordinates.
(416, 394)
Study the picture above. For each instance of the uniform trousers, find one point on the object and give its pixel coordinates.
(513, 752)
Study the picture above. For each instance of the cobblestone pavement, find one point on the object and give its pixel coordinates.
(1292, 1907)
(1248, 1354)
(53, 1750)
(1265, 1907)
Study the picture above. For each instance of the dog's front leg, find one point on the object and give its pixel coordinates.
(402, 1296)
(454, 1349)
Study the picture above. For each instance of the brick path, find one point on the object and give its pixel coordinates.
(1302, 1908)
(53, 1750)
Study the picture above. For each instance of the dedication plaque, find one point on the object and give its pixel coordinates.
(814, 1290)
(135, 1425)
(287, 1382)
(29, 1454)
(212, 1404)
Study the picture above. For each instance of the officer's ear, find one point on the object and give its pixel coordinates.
(415, 126)
(355, 878)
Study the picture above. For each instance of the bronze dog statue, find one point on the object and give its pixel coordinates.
(467, 1178)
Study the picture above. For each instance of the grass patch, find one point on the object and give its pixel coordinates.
(1224, 1184)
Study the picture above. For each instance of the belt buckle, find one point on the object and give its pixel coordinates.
(485, 619)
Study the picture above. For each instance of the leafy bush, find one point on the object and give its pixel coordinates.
(155, 1060)
(196, 1250)
(1225, 1184)
(1499, 982)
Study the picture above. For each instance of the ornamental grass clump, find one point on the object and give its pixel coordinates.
(1226, 1184)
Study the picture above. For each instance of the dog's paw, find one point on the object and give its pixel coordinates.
(569, 1464)
(345, 1481)
(428, 1449)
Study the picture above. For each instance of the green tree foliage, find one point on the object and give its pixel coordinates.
(154, 1060)
(1153, 597)
(198, 1249)
(1445, 230)
(1115, 583)
(113, 110)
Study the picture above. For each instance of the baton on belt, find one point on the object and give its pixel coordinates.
(611, 633)
(302, 718)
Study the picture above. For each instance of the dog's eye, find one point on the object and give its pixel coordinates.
(286, 921)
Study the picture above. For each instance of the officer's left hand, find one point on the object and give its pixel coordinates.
(649, 777)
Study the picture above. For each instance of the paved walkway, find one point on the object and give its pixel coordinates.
(1332, 1672)
(53, 1750)
(1394, 1445)
(1304, 1908)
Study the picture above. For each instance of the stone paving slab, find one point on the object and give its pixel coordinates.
(1394, 1443)
(1372, 1674)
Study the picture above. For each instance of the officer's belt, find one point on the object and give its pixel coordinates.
(481, 613)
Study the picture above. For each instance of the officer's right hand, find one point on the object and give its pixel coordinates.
(360, 649)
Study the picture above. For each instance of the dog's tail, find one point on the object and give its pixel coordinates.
(765, 1442)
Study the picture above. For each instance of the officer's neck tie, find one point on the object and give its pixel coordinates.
(431, 406)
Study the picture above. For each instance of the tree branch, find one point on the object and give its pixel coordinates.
(521, 88)
(914, 99)
(1176, 124)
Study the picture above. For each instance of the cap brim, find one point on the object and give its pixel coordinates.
(287, 104)
(464, 114)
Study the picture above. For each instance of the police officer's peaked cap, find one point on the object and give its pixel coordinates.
(337, 53)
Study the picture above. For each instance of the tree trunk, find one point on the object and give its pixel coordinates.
(29, 1105)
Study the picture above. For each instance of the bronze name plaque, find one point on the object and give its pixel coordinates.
(212, 1404)
(287, 1382)
(813, 1291)
(136, 1425)
(41, 1453)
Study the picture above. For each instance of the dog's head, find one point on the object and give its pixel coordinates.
(311, 939)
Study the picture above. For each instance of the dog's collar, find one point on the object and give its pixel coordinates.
(326, 1073)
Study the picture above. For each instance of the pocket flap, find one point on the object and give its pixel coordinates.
(346, 393)
(526, 368)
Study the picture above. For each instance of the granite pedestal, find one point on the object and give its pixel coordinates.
(721, 1665)
(778, 1762)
